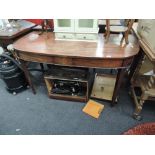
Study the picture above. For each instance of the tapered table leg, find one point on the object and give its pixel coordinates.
(27, 75)
(120, 76)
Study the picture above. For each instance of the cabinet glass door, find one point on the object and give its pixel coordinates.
(64, 25)
(64, 22)
(86, 25)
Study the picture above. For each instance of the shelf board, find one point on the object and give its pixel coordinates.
(68, 97)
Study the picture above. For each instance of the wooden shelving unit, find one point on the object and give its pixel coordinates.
(81, 76)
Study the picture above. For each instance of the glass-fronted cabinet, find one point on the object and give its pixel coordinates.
(77, 29)
(64, 25)
(86, 25)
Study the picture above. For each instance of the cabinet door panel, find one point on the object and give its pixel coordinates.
(86, 25)
(64, 25)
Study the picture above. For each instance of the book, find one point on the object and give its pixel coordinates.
(93, 108)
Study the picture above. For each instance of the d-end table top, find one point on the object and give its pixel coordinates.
(24, 26)
(45, 44)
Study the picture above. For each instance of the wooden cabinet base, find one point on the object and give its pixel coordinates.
(61, 75)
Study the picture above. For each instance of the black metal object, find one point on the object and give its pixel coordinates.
(68, 87)
(12, 74)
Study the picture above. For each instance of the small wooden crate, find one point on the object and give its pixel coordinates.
(68, 75)
(103, 87)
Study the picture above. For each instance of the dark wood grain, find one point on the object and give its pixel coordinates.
(45, 49)
(8, 37)
(47, 45)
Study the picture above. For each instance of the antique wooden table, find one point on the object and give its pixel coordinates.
(45, 49)
(8, 36)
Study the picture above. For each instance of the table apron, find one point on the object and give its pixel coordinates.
(76, 61)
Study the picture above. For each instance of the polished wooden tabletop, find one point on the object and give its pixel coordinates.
(22, 26)
(46, 44)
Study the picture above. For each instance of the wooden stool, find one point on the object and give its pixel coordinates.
(147, 86)
(124, 29)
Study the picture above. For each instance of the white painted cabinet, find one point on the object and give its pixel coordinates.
(76, 29)
(64, 25)
(86, 26)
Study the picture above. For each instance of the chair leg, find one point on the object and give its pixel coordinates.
(121, 42)
(126, 37)
(138, 110)
(107, 36)
(139, 106)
